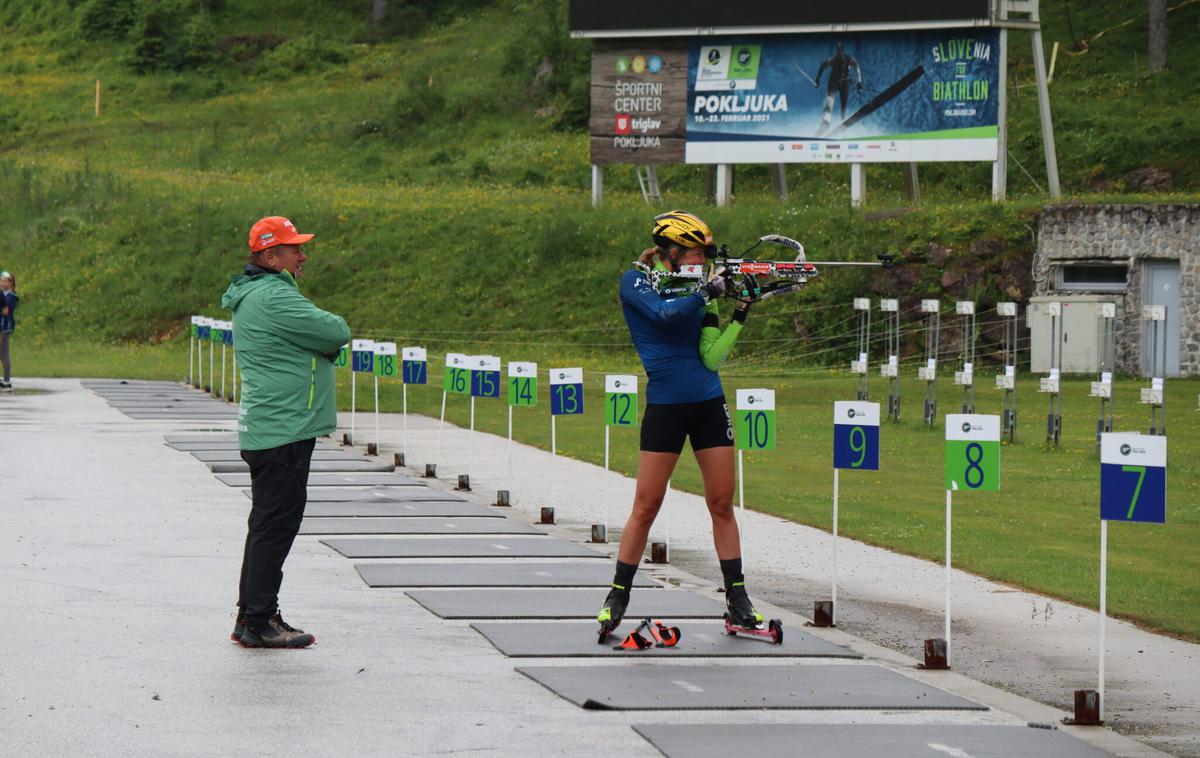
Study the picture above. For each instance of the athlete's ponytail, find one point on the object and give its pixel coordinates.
(650, 256)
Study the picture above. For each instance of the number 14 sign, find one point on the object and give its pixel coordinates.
(1133, 478)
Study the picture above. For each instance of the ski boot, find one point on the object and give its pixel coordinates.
(741, 618)
(613, 611)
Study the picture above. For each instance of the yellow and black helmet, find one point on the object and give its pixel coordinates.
(680, 228)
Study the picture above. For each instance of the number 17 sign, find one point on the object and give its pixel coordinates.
(1133, 478)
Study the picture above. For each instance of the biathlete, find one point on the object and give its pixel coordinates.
(677, 336)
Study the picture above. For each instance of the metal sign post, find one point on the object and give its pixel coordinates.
(860, 366)
(972, 464)
(933, 336)
(522, 393)
(620, 410)
(754, 429)
(1107, 313)
(362, 361)
(1051, 384)
(965, 377)
(1007, 379)
(855, 447)
(1154, 395)
(414, 369)
(891, 369)
(566, 399)
(385, 366)
(192, 332)
(485, 382)
(456, 381)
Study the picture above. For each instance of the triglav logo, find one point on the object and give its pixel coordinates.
(851, 413)
(750, 400)
(1126, 449)
(744, 55)
(562, 375)
(966, 426)
(617, 383)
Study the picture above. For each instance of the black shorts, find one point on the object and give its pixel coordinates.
(707, 423)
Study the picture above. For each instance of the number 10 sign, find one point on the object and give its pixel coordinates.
(1133, 478)
(755, 419)
(856, 435)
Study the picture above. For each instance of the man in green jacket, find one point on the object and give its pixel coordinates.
(285, 348)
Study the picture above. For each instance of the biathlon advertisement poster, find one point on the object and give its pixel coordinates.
(856, 97)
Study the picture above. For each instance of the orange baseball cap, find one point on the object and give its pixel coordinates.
(275, 230)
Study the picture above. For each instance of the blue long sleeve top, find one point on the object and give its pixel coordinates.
(666, 334)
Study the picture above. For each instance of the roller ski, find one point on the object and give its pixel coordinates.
(659, 635)
(613, 611)
(742, 619)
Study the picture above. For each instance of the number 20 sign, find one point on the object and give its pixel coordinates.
(973, 452)
(856, 435)
(1133, 478)
(755, 419)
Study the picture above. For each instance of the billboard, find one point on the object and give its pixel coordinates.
(928, 95)
(624, 18)
(854, 97)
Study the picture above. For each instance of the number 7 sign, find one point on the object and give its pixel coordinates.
(1133, 478)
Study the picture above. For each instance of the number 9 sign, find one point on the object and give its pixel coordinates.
(755, 419)
(972, 452)
(856, 435)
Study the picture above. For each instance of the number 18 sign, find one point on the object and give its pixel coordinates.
(755, 419)
(566, 391)
(856, 435)
(972, 452)
(620, 400)
(1133, 478)
(385, 359)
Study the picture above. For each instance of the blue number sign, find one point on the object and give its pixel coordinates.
(1133, 478)
(362, 356)
(485, 375)
(856, 435)
(566, 391)
(414, 365)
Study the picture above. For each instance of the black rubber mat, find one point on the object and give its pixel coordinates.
(321, 466)
(215, 414)
(493, 574)
(562, 604)
(706, 686)
(404, 509)
(189, 447)
(334, 480)
(201, 437)
(440, 525)
(377, 495)
(319, 454)
(458, 547)
(865, 741)
(697, 639)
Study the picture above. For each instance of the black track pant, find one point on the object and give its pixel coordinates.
(279, 486)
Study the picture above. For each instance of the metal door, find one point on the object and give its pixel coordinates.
(1160, 286)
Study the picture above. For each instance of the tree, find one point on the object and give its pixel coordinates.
(1158, 35)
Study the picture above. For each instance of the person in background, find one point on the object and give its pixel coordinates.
(8, 307)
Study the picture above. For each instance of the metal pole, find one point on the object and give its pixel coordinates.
(858, 184)
(199, 363)
(404, 421)
(442, 427)
(191, 358)
(607, 430)
(833, 595)
(376, 378)
(553, 461)
(222, 370)
(1103, 605)
(724, 184)
(510, 454)
(353, 400)
(1043, 91)
(1000, 167)
(742, 503)
(471, 439)
(212, 385)
(667, 519)
(597, 185)
(947, 632)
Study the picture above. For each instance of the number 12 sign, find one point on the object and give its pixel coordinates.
(566, 391)
(1133, 478)
(755, 419)
(973, 452)
(856, 435)
(620, 400)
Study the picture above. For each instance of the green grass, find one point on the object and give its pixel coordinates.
(1041, 531)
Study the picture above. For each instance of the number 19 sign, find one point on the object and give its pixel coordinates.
(856, 435)
(1133, 478)
(566, 391)
(755, 419)
(972, 452)
(620, 400)
(362, 356)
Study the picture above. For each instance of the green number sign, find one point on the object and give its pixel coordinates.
(522, 384)
(343, 357)
(457, 379)
(973, 452)
(385, 359)
(754, 419)
(620, 400)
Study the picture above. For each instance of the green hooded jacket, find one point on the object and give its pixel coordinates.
(283, 345)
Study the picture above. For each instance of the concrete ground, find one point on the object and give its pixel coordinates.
(120, 559)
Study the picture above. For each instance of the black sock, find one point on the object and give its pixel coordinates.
(624, 576)
(731, 569)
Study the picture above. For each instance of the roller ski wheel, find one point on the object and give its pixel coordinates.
(612, 613)
(773, 631)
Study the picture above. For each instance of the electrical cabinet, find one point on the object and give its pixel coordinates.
(1081, 332)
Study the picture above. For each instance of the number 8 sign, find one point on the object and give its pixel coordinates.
(755, 419)
(1133, 478)
(972, 452)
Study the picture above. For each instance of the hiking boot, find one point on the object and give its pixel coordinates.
(274, 632)
(239, 626)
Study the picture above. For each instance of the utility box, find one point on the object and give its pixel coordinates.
(1081, 332)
